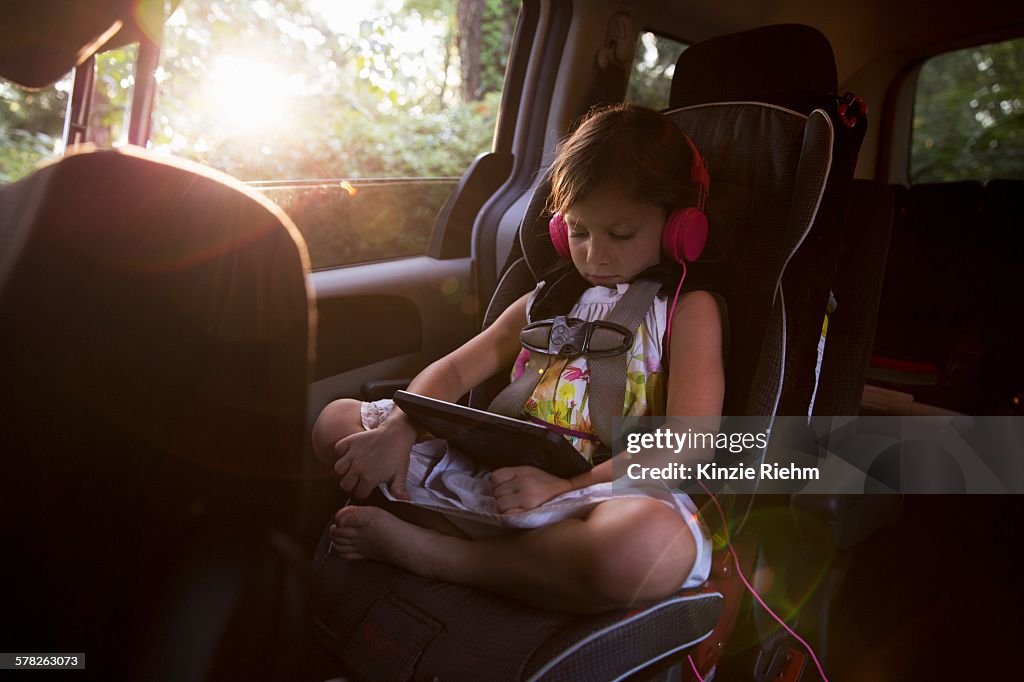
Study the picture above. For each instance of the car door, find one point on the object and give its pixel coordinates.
(375, 128)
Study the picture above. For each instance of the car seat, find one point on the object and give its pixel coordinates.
(155, 327)
(858, 291)
(794, 69)
(837, 269)
(769, 167)
(1003, 371)
(930, 340)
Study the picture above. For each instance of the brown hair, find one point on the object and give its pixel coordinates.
(630, 146)
(644, 153)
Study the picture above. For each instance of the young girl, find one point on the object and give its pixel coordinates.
(574, 544)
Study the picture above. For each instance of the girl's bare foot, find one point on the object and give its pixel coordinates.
(372, 533)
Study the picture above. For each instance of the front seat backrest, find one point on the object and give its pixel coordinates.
(155, 324)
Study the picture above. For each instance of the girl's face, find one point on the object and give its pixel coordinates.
(613, 237)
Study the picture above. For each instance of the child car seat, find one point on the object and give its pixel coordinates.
(794, 69)
(769, 167)
(838, 267)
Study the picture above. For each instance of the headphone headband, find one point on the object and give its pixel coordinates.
(699, 173)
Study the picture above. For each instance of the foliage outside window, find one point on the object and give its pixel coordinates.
(112, 97)
(969, 115)
(324, 91)
(355, 222)
(650, 82)
(302, 89)
(31, 124)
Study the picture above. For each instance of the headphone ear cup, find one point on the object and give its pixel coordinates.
(559, 231)
(685, 234)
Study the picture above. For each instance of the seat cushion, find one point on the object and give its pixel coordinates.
(385, 623)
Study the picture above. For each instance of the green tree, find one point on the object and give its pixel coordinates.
(31, 123)
(653, 66)
(368, 106)
(969, 115)
(273, 90)
(496, 30)
(112, 96)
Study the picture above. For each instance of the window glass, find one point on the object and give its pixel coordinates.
(112, 96)
(31, 126)
(32, 122)
(359, 221)
(653, 66)
(969, 115)
(331, 105)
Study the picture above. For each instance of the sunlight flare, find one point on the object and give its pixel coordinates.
(251, 95)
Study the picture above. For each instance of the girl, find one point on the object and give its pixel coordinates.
(580, 546)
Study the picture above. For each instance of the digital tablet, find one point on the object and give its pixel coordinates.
(491, 439)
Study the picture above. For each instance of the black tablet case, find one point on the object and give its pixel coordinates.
(493, 440)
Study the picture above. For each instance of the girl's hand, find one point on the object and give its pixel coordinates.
(367, 459)
(519, 489)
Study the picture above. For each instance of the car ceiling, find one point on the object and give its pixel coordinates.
(861, 32)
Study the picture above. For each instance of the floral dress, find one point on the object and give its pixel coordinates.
(444, 480)
(562, 396)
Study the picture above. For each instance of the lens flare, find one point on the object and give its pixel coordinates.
(250, 95)
(797, 551)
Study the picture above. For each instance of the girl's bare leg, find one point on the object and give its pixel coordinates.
(341, 418)
(628, 551)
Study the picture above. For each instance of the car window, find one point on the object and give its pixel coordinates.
(357, 118)
(650, 81)
(112, 97)
(969, 115)
(31, 123)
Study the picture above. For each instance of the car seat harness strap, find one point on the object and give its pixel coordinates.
(603, 342)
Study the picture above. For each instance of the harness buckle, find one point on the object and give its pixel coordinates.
(570, 337)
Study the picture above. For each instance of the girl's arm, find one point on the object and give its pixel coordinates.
(469, 365)
(369, 458)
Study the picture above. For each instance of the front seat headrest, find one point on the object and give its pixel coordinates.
(166, 298)
(42, 40)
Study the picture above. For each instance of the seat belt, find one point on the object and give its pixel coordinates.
(568, 338)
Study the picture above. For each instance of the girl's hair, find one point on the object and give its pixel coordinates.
(646, 154)
(632, 147)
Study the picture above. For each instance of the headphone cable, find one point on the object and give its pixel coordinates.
(739, 571)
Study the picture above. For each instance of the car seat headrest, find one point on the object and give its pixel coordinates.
(783, 64)
(42, 40)
(185, 294)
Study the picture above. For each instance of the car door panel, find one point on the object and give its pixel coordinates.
(387, 320)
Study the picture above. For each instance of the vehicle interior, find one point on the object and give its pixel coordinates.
(173, 325)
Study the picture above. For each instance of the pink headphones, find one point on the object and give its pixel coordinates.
(685, 232)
